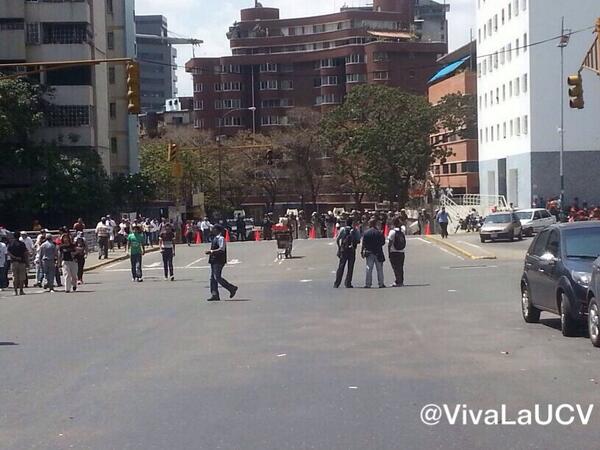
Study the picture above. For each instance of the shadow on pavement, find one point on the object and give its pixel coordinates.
(5, 344)
(551, 323)
(237, 300)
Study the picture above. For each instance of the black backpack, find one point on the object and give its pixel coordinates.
(399, 240)
(348, 242)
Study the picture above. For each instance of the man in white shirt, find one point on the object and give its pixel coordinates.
(102, 232)
(3, 262)
(205, 227)
(396, 247)
(112, 225)
(30, 252)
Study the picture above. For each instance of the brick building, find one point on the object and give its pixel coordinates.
(459, 75)
(277, 64)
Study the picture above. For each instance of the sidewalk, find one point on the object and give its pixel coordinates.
(457, 244)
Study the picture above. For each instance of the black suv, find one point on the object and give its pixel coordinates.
(557, 274)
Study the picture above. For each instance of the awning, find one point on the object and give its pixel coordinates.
(391, 34)
(449, 69)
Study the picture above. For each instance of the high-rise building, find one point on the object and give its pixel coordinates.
(520, 88)
(278, 64)
(157, 62)
(83, 99)
(431, 24)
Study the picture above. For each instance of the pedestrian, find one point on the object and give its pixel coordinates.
(18, 258)
(112, 230)
(102, 233)
(123, 232)
(79, 225)
(217, 260)
(396, 247)
(30, 253)
(189, 233)
(267, 226)
(347, 241)
(166, 241)
(68, 263)
(136, 249)
(3, 263)
(205, 227)
(372, 251)
(81, 252)
(443, 219)
(48, 257)
(240, 228)
(39, 269)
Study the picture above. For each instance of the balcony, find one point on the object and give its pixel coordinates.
(12, 45)
(12, 8)
(52, 11)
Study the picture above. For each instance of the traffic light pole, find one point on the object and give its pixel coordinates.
(562, 46)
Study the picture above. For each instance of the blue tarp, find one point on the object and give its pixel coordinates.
(449, 69)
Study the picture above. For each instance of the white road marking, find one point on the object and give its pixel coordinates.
(234, 262)
(305, 281)
(451, 290)
(282, 355)
(471, 245)
(151, 266)
(423, 240)
(194, 262)
(352, 387)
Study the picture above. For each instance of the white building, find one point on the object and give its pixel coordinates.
(519, 89)
(89, 102)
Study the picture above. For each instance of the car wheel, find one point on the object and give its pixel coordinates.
(594, 322)
(511, 238)
(529, 232)
(530, 313)
(520, 237)
(568, 326)
(482, 239)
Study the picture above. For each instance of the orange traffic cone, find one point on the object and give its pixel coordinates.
(312, 233)
(198, 239)
(227, 237)
(257, 235)
(427, 229)
(335, 232)
(386, 230)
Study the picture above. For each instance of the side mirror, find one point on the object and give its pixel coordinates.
(549, 258)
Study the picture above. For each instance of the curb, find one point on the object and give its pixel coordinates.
(458, 249)
(106, 262)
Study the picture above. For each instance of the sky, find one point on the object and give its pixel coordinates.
(209, 20)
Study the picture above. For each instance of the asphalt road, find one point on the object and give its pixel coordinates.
(291, 364)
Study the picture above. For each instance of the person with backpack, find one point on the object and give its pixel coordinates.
(396, 247)
(347, 241)
(217, 260)
(372, 251)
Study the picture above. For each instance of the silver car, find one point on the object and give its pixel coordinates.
(535, 220)
(501, 225)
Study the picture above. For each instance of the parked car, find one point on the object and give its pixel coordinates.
(593, 298)
(535, 220)
(557, 274)
(502, 225)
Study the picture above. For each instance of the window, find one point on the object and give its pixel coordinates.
(33, 33)
(327, 99)
(356, 78)
(511, 128)
(524, 3)
(503, 18)
(489, 26)
(504, 130)
(229, 122)
(268, 85)
(445, 169)
(486, 134)
(484, 65)
(112, 107)
(329, 62)
(12, 24)
(68, 116)
(109, 6)
(113, 145)
(525, 124)
(198, 123)
(380, 56)
(198, 87)
(510, 89)
(382, 75)
(232, 103)
(539, 245)
(453, 168)
(273, 120)
(110, 40)
(496, 22)
(65, 33)
(518, 126)
(355, 58)
(286, 68)
(517, 87)
(485, 98)
(509, 11)
(228, 68)
(524, 42)
(509, 52)
(496, 60)
(517, 47)
(491, 98)
(287, 85)
(268, 67)
(502, 55)
(198, 105)
(484, 30)
(525, 82)
(516, 8)
(492, 133)
(72, 76)
(329, 81)
(503, 92)
(479, 36)
(111, 75)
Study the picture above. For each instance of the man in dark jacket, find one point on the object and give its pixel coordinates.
(240, 228)
(18, 257)
(217, 260)
(347, 241)
(372, 251)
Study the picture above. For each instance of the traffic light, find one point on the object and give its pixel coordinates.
(598, 25)
(133, 88)
(269, 157)
(172, 150)
(576, 91)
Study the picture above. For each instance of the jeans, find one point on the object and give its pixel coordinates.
(444, 227)
(4, 275)
(345, 257)
(397, 261)
(167, 257)
(372, 261)
(69, 275)
(205, 236)
(39, 272)
(103, 247)
(136, 266)
(216, 278)
(80, 260)
(48, 271)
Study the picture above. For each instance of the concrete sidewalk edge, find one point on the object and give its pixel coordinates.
(458, 249)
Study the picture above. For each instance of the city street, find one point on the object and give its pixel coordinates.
(291, 363)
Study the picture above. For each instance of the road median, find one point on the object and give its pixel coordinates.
(473, 253)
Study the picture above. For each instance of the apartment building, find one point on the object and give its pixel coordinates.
(88, 109)
(460, 171)
(278, 64)
(520, 87)
(158, 79)
(431, 24)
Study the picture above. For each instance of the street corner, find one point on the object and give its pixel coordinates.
(462, 247)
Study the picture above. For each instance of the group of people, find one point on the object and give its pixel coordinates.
(57, 260)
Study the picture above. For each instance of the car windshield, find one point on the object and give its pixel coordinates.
(524, 215)
(498, 218)
(582, 243)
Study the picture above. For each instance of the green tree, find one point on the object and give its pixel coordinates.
(458, 115)
(131, 191)
(380, 139)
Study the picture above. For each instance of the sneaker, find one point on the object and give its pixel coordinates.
(172, 278)
(21, 292)
(336, 286)
(79, 282)
(134, 279)
(383, 286)
(349, 287)
(397, 284)
(140, 280)
(51, 291)
(233, 292)
(74, 288)
(166, 278)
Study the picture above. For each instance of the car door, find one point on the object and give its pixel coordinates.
(548, 270)
(537, 221)
(549, 219)
(532, 267)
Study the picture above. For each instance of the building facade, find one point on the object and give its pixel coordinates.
(460, 171)
(431, 24)
(520, 87)
(278, 64)
(83, 99)
(158, 79)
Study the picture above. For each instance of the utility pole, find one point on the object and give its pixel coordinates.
(564, 41)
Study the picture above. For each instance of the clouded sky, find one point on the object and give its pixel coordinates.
(209, 20)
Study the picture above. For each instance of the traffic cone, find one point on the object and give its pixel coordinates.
(427, 229)
(386, 230)
(227, 237)
(335, 232)
(198, 239)
(257, 235)
(312, 233)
